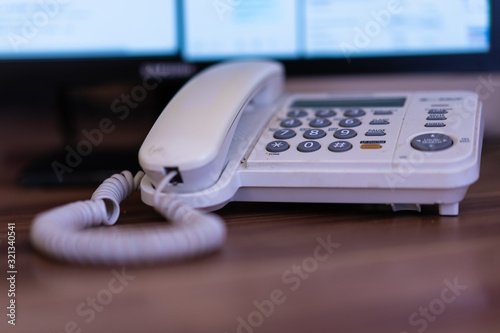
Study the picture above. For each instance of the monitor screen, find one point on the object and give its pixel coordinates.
(205, 31)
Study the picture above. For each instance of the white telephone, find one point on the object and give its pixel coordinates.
(231, 134)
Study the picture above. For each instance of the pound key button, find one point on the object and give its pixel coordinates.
(432, 142)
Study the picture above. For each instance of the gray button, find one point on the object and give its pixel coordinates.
(297, 113)
(435, 125)
(432, 142)
(340, 146)
(320, 122)
(350, 122)
(375, 132)
(345, 134)
(289, 123)
(379, 122)
(323, 113)
(436, 117)
(277, 146)
(284, 134)
(354, 113)
(314, 134)
(382, 112)
(437, 111)
(308, 146)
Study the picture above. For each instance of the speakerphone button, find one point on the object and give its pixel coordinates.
(432, 142)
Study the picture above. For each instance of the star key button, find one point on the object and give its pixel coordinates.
(277, 146)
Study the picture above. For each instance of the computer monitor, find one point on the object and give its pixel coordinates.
(91, 40)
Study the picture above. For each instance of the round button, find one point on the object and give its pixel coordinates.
(354, 113)
(350, 122)
(340, 146)
(289, 123)
(314, 134)
(308, 146)
(432, 142)
(284, 134)
(320, 122)
(297, 113)
(277, 146)
(324, 113)
(345, 134)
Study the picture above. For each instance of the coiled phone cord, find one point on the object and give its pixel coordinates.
(69, 232)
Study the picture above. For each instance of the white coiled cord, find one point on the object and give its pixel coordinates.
(68, 232)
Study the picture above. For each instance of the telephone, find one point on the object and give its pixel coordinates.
(231, 134)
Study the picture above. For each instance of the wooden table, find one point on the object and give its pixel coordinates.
(381, 272)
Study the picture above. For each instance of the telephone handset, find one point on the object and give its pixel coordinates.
(194, 132)
(232, 134)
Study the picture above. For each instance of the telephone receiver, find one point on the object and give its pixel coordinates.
(233, 134)
(193, 134)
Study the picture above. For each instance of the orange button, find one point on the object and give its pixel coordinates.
(371, 146)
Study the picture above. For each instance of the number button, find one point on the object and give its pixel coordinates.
(284, 134)
(345, 134)
(289, 123)
(314, 134)
(340, 146)
(350, 122)
(277, 146)
(320, 122)
(354, 113)
(297, 113)
(308, 146)
(324, 113)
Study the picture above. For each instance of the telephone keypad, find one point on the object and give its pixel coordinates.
(345, 134)
(314, 134)
(283, 134)
(308, 146)
(320, 122)
(290, 123)
(325, 113)
(350, 122)
(354, 113)
(297, 113)
(340, 146)
(277, 146)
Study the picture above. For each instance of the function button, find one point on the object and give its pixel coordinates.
(354, 113)
(320, 122)
(324, 113)
(437, 111)
(382, 112)
(277, 146)
(345, 134)
(435, 125)
(308, 146)
(436, 117)
(314, 134)
(371, 146)
(284, 134)
(340, 146)
(297, 113)
(431, 142)
(350, 122)
(379, 122)
(289, 123)
(375, 132)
